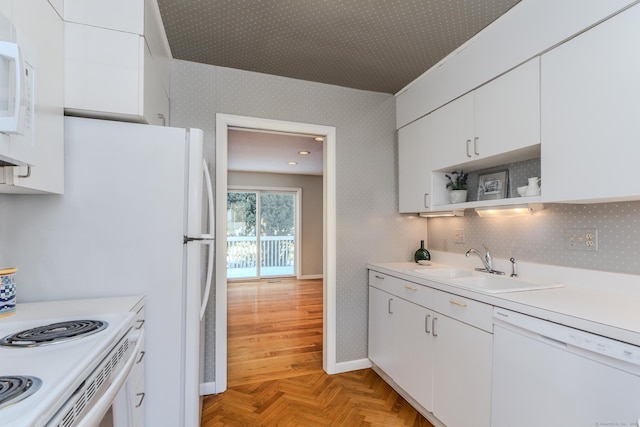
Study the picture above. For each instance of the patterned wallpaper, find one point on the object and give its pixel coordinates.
(541, 237)
(368, 225)
(374, 45)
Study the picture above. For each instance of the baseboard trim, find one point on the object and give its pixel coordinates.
(352, 365)
(207, 388)
(310, 276)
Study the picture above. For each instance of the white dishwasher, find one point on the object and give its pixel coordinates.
(546, 374)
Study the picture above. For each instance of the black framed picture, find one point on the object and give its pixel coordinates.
(493, 185)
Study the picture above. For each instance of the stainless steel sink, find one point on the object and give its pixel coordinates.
(499, 284)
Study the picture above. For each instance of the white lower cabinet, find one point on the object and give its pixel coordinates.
(400, 345)
(462, 374)
(435, 346)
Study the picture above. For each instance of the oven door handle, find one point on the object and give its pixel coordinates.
(95, 415)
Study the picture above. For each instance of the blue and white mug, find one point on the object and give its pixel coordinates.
(7, 291)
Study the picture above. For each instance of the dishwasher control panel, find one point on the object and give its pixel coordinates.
(584, 343)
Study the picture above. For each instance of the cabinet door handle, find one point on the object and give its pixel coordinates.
(468, 153)
(410, 288)
(459, 303)
(27, 174)
(433, 326)
(379, 277)
(426, 200)
(141, 357)
(163, 119)
(141, 396)
(389, 306)
(475, 146)
(140, 323)
(426, 323)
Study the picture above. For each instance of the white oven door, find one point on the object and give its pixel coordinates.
(112, 405)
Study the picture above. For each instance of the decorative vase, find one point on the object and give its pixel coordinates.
(422, 254)
(458, 196)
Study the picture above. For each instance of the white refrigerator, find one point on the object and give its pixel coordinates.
(132, 221)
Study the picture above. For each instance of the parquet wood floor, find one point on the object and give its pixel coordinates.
(275, 375)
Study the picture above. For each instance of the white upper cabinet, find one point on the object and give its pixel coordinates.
(414, 167)
(117, 61)
(120, 15)
(507, 111)
(496, 119)
(452, 133)
(591, 114)
(42, 25)
(526, 30)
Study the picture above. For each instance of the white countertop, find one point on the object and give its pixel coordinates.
(82, 307)
(606, 304)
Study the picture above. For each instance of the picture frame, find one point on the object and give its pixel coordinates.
(494, 185)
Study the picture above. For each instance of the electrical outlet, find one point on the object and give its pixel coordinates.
(581, 239)
(458, 235)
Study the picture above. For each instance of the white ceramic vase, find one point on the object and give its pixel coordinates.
(457, 196)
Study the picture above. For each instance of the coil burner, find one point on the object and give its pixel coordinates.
(13, 389)
(54, 333)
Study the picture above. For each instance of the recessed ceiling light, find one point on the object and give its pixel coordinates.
(293, 163)
(304, 153)
(319, 138)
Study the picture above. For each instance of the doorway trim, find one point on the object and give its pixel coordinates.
(223, 123)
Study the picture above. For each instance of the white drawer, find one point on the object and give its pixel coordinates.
(466, 310)
(410, 291)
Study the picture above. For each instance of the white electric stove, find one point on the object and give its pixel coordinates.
(64, 379)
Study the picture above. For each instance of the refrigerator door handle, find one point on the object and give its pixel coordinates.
(204, 237)
(207, 289)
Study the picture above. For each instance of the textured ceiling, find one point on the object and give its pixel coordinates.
(377, 45)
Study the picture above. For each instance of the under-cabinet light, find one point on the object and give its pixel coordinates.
(509, 210)
(456, 212)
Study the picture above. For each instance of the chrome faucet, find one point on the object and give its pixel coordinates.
(486, 260)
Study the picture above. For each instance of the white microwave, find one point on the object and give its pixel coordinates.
(17, 96)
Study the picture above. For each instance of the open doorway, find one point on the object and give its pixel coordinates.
(223, 124)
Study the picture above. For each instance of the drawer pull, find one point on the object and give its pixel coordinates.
(379, 277)
(141, 396)
(389, 306)
(140, 323)
(426, 323)
(459, 303)
(410, 288)
(141, 357)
